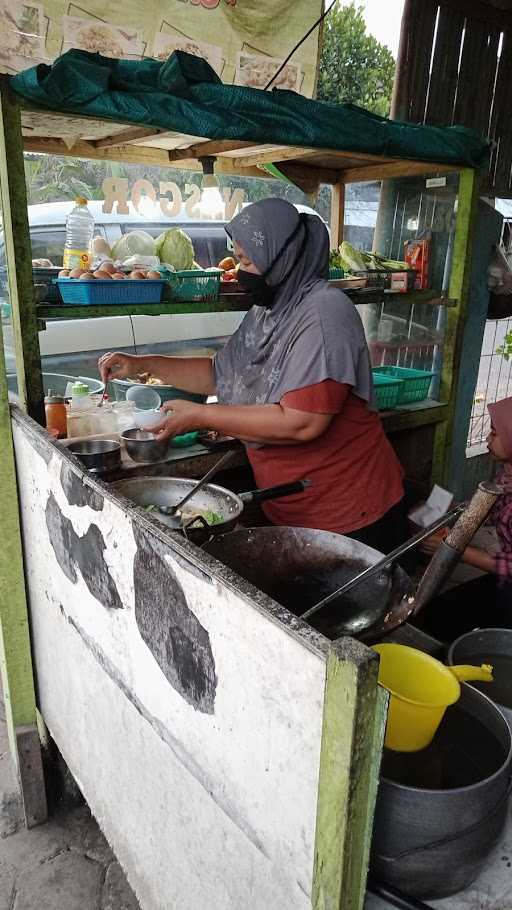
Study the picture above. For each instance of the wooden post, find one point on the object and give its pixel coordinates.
(352, 736)
(15, 655)
(337, 213)
(456, 316)
(19, 255)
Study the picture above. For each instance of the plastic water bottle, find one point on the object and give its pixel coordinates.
(79, 231)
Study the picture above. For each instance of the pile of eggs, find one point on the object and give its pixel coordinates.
(108, 270)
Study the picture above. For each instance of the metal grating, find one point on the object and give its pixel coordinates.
(494, 380)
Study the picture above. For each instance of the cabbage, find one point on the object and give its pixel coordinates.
(136, 243)
(175, 247)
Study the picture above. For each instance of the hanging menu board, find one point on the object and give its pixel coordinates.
(245, 41)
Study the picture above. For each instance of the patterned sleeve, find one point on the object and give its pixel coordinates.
(503, 522)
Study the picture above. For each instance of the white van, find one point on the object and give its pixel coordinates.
(73, 346)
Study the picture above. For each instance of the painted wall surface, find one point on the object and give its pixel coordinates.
(190, 715)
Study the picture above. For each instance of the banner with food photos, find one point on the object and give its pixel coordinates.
(245, 41)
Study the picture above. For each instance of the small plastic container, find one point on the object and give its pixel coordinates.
(144, 397)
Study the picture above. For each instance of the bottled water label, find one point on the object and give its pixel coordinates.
(76, 259)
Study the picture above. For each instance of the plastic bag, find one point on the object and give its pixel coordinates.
(499, 273)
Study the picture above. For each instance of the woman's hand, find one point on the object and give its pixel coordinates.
(180, 417)
(432, 543)
(117, 366)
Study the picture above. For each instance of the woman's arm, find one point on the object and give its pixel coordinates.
(267, 423)
(193, 374)
(472, 556)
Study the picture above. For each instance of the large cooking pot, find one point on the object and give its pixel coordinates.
(493, 646)
(297, 567)
(169, 491)
(440, 811)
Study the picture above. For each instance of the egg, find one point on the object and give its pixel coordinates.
(154, 275)
(76, 273)
(87, 276)
(137, 274)
(64, 273)
(118, 275)
(101, 274)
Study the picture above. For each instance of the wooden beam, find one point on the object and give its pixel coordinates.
(476, 9)
(303, 174)
(213, 147)
(15, 651)
(273, 154)
(133, 134)
(354, 718)
(397, 169)
(337, 213)
(131, 154)
(18, 251)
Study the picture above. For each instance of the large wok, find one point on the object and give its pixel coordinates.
(300, 567)
(169, 491)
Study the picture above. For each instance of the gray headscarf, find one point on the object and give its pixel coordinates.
(311, 333)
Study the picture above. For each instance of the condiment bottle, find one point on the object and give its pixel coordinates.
(55, 410)
(80, 397)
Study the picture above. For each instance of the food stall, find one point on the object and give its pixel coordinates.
(229, 750)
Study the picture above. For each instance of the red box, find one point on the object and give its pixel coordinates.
(417, 257)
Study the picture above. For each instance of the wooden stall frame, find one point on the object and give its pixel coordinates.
(354, 707)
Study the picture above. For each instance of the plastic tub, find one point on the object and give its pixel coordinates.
(387, 391)
(166, 392)
(75, 292)
(58, 382)
(415, 384)
(195, 285)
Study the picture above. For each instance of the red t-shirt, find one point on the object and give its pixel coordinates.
(356, 476)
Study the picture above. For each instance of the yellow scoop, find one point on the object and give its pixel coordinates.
(421, 688)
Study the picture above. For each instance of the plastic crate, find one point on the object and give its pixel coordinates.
(195, 285)
(414, 386)
(110, 291)
(387, 391)
(336, 274)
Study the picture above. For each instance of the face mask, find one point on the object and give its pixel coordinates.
(257, 287)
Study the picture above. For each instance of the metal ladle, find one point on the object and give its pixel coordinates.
(175, 511)
(439, 569)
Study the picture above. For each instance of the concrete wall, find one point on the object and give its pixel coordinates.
(190, 712)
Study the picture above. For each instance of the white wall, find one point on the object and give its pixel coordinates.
(197, 748)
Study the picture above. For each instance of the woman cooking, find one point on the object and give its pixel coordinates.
(293, 382)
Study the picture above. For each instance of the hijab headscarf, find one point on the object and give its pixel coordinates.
(501, 417)
(310, 333)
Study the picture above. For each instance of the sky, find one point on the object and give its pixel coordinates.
(383, 19)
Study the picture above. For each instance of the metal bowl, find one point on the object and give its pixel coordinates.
(97, 455)
(143, 447)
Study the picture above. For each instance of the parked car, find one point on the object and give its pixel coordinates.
(73, 346)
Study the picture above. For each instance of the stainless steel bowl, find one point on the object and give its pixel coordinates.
(97, 455)
(143, 447)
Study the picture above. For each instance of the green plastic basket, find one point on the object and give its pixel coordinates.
(387, 391)
(415, 384)
(195, 285)
(336, 274)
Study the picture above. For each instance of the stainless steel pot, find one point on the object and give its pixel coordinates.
(98, 455)
(169, 491)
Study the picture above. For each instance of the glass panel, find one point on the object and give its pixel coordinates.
(382, 217)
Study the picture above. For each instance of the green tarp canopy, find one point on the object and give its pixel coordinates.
(185, 95)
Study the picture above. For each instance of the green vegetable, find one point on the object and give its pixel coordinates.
(135, 243)
(210, 517)
(352, 260)
(175, 248)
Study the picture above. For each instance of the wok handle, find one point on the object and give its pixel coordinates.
(284, 489)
